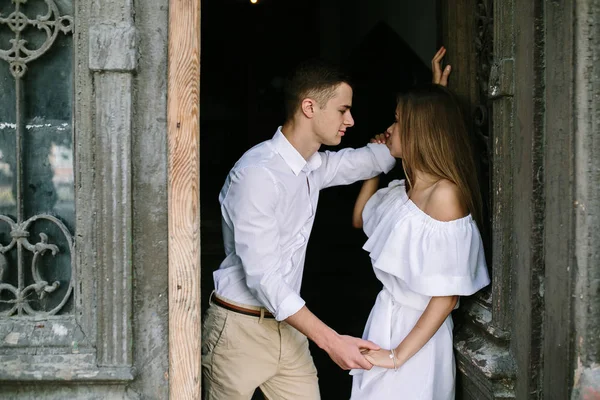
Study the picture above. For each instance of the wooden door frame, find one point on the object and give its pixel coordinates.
(183, 125)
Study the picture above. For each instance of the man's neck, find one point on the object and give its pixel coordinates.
(300, 138)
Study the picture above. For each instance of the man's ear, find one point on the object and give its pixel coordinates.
(308, 107)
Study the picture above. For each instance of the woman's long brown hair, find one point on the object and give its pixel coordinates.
(435, 140)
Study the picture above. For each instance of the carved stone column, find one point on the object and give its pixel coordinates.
(112, 58)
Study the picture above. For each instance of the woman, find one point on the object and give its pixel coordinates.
(425, 248)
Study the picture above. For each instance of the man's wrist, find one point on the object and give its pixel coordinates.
(326, 339)
(384, 157)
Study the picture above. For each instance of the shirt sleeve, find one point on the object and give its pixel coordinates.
(249, 206)
(350, 165)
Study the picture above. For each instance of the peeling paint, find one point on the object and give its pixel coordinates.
(7, 125)
(12, 338)
(64, 374)
(59, 330)
(32, 126)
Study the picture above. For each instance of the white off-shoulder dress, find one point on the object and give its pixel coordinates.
(415, 257)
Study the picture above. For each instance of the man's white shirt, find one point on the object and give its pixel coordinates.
(268, 205)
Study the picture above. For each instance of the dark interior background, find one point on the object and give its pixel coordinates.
(247, 49)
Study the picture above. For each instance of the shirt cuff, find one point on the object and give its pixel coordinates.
(384, 158)
(289, 306)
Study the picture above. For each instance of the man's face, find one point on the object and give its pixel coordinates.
(331, 121)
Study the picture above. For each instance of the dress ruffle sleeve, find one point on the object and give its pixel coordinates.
(431, 257)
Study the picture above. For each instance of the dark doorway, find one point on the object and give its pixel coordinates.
(247, 49)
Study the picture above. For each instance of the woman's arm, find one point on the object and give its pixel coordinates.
(432, 318)
(367, 190)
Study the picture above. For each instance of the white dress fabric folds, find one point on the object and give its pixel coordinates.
(415, 257)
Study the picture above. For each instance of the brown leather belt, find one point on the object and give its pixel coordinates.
(241, 310)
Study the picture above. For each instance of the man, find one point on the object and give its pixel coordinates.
(256, 328)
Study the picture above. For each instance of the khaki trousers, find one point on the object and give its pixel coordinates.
(242, 352)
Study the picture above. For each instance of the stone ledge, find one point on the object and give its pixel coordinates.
(76, 368)
(30, 335)
(487, 363)
(481, 316)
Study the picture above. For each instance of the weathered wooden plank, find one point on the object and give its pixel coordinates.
(458, 37)
(470, 28)
(559, 213)
(528, 197)
(184, 199)
(586, 276)
(502, 187)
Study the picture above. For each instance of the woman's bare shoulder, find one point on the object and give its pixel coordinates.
(445, 202)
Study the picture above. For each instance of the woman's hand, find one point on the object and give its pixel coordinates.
(381, 358)
(439, 77)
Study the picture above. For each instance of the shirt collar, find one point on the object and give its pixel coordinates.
(291, 156)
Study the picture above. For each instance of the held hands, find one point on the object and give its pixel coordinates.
(346, 351)
(439, 77)
(382, 358)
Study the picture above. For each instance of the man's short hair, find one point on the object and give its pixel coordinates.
(314, 78)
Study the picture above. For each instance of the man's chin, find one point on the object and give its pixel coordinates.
(335, 142)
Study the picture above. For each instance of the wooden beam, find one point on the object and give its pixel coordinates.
(183, 105)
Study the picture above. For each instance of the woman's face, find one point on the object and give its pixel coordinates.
(393, 142)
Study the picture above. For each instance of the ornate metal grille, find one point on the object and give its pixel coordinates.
(44, 288)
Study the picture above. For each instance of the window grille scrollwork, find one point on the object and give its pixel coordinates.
(16, 298)
(21, 294)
